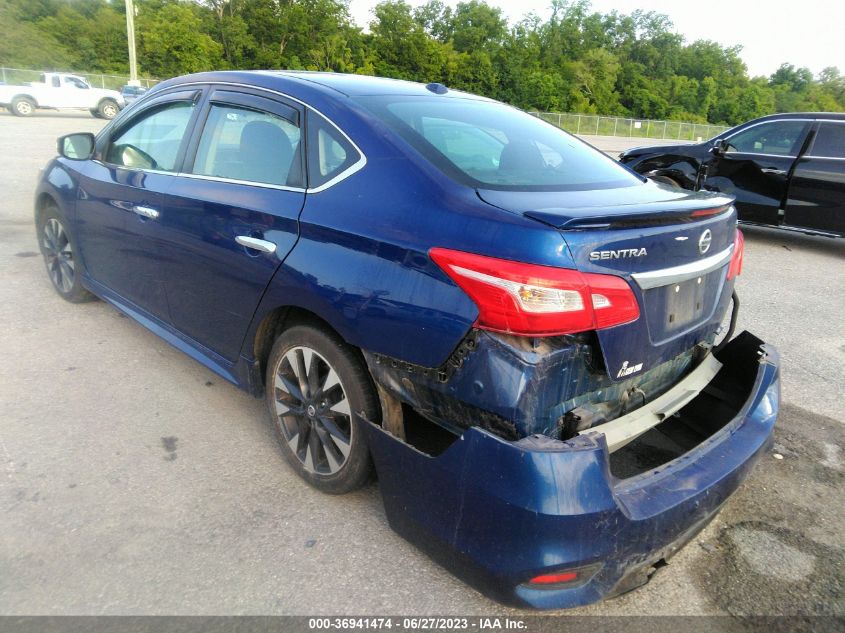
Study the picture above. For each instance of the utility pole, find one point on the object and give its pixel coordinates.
(130, 36)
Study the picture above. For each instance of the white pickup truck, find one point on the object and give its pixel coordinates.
(61, 91)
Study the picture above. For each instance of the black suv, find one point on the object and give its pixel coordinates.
(786, 170)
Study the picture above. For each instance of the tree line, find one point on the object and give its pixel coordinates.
(577, 60)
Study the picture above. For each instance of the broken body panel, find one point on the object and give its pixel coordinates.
(499, 513)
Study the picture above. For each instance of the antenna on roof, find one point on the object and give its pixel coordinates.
(438, 89)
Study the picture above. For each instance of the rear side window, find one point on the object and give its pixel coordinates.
(153, 140)
(244, 144)
(830, 141)
(329, 152)
(489, 145)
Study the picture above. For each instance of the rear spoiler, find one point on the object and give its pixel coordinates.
(621, 219)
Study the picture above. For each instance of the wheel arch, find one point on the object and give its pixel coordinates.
(102, 100)
(681, 169)
(280, 318)
(24, 95)
(41, 201)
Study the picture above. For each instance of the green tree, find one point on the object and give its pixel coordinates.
(171, 41)
(578, 59)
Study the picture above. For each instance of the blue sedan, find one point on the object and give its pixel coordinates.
(522, 338)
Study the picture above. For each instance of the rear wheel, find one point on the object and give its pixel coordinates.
(108, 108)
(95, 113)
(316, 386)
(59, 251)
(23, 106)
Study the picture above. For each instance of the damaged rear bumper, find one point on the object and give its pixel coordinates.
(499, 513)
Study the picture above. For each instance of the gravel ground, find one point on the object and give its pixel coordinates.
(137, 482)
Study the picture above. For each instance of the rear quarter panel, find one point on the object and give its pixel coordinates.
(362, 264)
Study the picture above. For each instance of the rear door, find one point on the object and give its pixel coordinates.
(49, 91)
(755, 167)
(817, 189)
(232, 216)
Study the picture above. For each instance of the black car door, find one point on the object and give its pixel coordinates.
(817, 189)
(121, 195)
(232, 215)
(755, 167)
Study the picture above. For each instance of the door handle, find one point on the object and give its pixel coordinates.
(773, 171)
(256, 244)
(146, 212)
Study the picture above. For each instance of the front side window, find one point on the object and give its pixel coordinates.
(329, 152)
(493, 146)
(244, 144)
(775, 137)
(153, 140)
(75, 82)
(830, 141)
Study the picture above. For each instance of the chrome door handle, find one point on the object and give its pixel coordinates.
(146, 212)
(773, 171)
(254, 243)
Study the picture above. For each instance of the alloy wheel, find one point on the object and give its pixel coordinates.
(312, 411)
(58, 255)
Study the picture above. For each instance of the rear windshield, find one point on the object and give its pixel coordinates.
(489, 145)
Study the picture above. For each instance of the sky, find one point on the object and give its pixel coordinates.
(809, 33)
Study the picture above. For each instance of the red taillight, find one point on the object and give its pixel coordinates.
(735, 267)
(701, 213)
(532, 300)
(554, 579)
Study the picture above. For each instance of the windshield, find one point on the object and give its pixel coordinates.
(489, 145)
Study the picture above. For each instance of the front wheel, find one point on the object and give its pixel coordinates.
(316, 385)
(108, 108)
(666, 180)
(59, 251)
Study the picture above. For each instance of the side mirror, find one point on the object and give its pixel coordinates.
(720, 146)
(78, 146)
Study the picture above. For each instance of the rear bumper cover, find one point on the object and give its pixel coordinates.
(497, 513)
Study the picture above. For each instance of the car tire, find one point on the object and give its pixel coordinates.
(316, 387)
(95, 113)
(58, 247)
(22, 106)
(108, 109)
(666, 180)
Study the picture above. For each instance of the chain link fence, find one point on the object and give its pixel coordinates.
(20, 76)
(586, 124)
(594, 125)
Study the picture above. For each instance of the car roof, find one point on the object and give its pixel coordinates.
(364, 85)
(835, 116)
(327, 83)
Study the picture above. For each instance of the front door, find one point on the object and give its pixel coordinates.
(121, 197)
(755, 168)
(232, 217)
(75, 93)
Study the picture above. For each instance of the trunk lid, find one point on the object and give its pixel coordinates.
(672, 246)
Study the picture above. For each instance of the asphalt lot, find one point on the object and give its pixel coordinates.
(134, 481)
